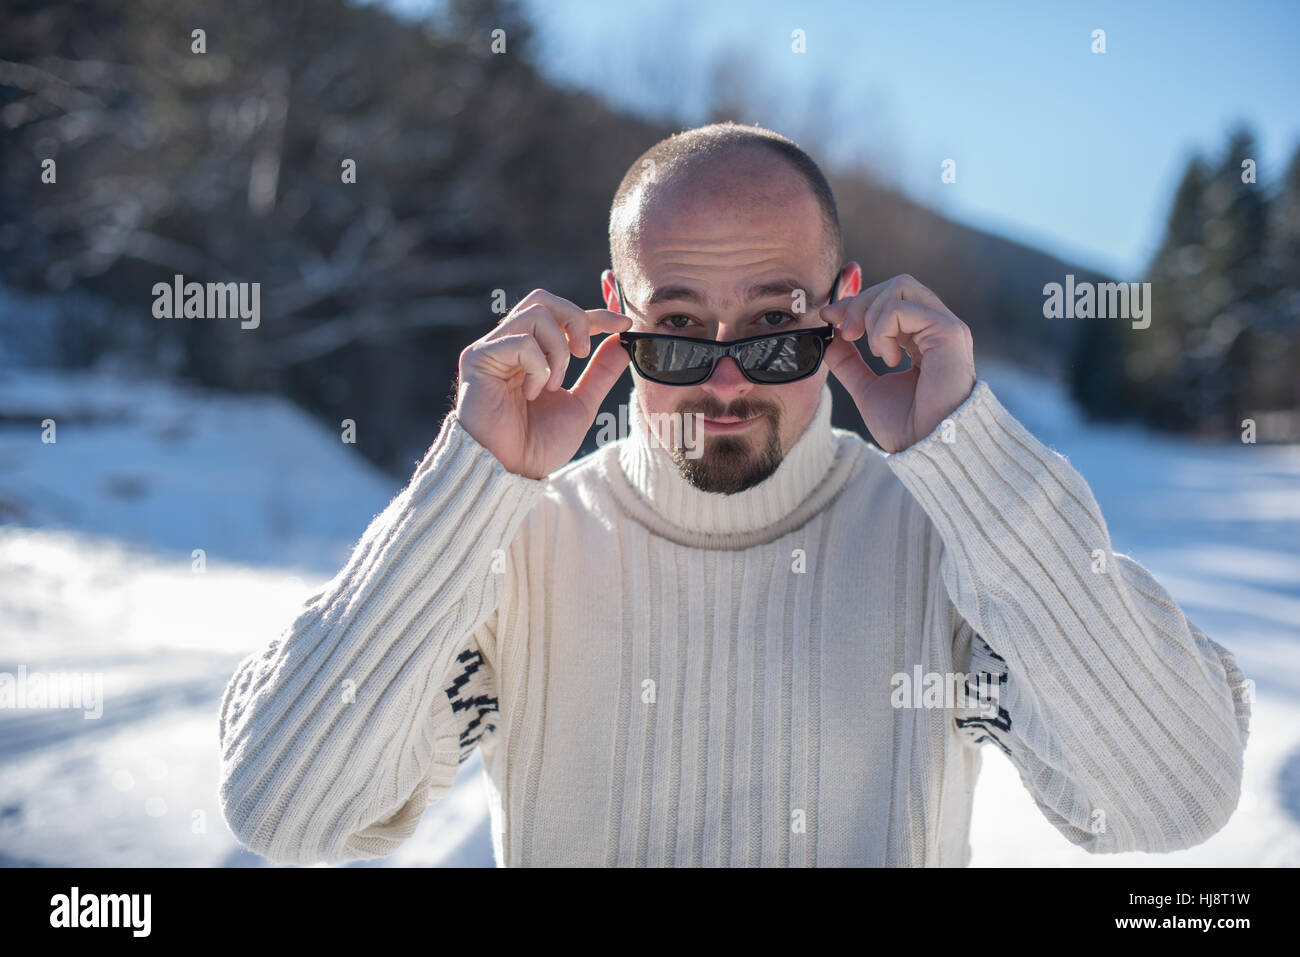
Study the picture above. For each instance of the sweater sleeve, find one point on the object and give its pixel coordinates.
(337, 734)
(1126, 723)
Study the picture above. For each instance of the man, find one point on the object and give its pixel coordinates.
(773, 645)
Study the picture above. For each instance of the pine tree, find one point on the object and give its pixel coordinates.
(1274, 382)
(1155, 357)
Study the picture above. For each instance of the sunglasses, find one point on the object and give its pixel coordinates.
(773, 358)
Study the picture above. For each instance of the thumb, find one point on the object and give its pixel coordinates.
(847, 365)
(603, 370)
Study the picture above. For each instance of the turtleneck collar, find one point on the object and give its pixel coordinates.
(811, 473)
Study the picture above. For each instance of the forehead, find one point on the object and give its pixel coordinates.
(726, 230)
(731, 197)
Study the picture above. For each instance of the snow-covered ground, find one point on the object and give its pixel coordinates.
(98, 574)
(1219, 526)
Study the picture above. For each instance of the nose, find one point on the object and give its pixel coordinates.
(727, 383)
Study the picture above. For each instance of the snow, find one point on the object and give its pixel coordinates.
(1218, 524)
(98, 574)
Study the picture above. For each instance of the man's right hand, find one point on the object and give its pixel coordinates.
(511, 396)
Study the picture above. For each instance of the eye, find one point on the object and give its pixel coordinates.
(668, 322)
(780, 318)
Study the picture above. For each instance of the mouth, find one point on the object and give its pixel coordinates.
(729, 423)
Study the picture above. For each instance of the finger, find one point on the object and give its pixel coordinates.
(834, 314)
(536, 320)
(870, 321)
(577, 323)
(604, 369)
(852, 314)
(602, 320)
(904, 287)
(848, 317)
(505, 357)
(543, 327)
(910, 290)
(574, 323)
(897, 323)
(847, 365)
(848, 313)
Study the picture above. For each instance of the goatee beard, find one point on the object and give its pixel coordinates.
(730, 464)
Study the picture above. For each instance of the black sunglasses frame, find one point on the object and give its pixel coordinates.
(824, 334)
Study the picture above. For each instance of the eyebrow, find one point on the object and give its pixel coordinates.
(764, 290)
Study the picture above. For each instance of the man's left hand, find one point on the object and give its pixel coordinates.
(900, 315)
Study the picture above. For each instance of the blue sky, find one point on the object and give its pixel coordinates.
(1073, 151)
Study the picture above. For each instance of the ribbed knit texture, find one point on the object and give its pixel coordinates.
(666, 677)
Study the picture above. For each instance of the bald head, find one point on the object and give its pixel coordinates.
(721, 167)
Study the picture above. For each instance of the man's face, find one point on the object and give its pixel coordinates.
(721, 258)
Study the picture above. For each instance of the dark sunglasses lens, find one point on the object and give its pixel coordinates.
(672, 361)
(781, 358)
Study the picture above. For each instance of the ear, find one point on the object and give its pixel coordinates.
(850, 280)
(608, 292)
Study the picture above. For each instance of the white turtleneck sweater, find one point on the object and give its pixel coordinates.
(662, 676)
